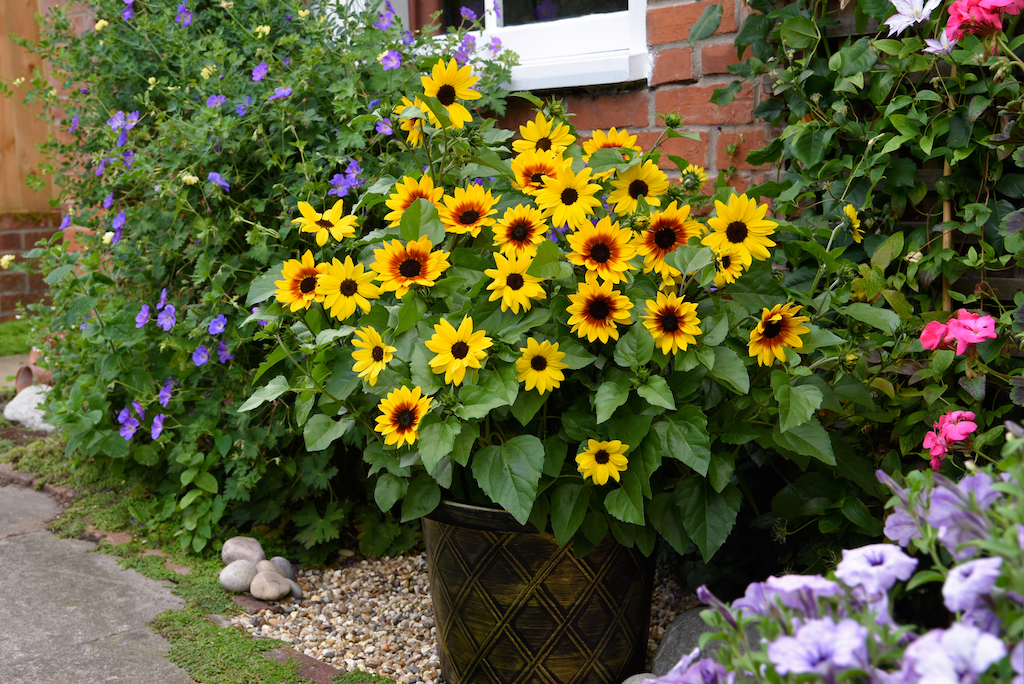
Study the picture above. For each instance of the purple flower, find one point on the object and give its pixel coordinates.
(223, 352)
(166, 318)
(240, 109)
(801, 592)
(123, 415)
(201, 355)
(968, 582)
(958, 654)
(131, 120)
(103, 165)
(407, 38)
(495, 45)
(467, 13)
(65, 222)
(119, 221)
(138, 409)
(546, 11)
(820, 647)
(163, 299)
(164, 395)
(704, 671)
(116, 122)
(259, 72)
(74, 124)
(984, 619)
(215, 101)
(128, 158)
(254, 310)
(384, 20)
(184, 16)
(218, 324)
(941, 45)
(280, 94)
(158, 425)
(85, 323)
(901, 527)
(465, 49)
(756, 600)
(384, 128)
(705, 595)
(391, 60)
(373, 103)
(286, 61)
(908, 13)
(875, 567)
(129, 424)
(1017, 662)
(947, 512)
(215, 177)
(143, 316)
(127, 13)
(122, 138)
(108, 201)
(117, 236)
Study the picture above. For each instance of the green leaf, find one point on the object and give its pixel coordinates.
(423, 496)
(527, 404)
(798, 32)
(656, 391)
(277, 355)
(706, 25)
(883, 319)
(206, 482)
(272, 390)
(684, 436)
(388, 490)
(576, 355)
(436, 439)
(887, 251)
(421, 372)
(191, 496)
(568, 508)
(410, 314)
(555, 451)
(610, 396)
(503, 381)
(729, 369)
(857, 513)
(626, 503)
(721, 469)
(477, 402)
(321, 431)
(635, 348)
(707, 515)
(509, 474)
(667, 518)
(690, 258)
(809, 439)
(723, 97)
(464, 442)
(545, 262)
(796, 404)
(263, 288)
(420, 219)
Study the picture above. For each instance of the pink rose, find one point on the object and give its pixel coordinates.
(931, 337)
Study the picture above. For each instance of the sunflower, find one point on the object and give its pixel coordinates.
(779, 327)
(541, 134)
(345, 286)
(331, 222)
(399, 268)
(372, 356)
(457, 350)
(401, 413)
(408, 191)
(611, 140)
(742, 225)
(568, 198)
(664, 234)
(693, 178)
(414, 126)
(541, 365)
(300, 280)
(530, 167)
(450, 84)
(511, 284)
(673, 322)
(640, 180)
(603, 459)
(596, 309)
(520, 231)
(605, 249)
(853, 221)
(468, 210)
(730, 265)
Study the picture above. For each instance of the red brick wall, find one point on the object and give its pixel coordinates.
(18, 233)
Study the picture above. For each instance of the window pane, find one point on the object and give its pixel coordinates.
(452, 11)
(517, 12)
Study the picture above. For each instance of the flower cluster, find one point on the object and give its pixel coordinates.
(961, 331)
(955, 426)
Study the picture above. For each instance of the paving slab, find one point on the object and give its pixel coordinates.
(67, 615)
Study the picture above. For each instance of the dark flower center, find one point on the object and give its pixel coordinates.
(348, 287)
(469, 217)
(669, 322)
(460, 349)
(410, 268)
(599, 309)
(569, 196)
(637, 188)
(537, 178)
(377, 354)
(520, 231)
(600, 253)
(514, 281)
(324, 223)
(538, 363)
(405, 418)
(446, 95)
(307, 284)
(726, 260)
(601, 456)
(736, 232)
(665, 238)
(772, 329)
(544, 144)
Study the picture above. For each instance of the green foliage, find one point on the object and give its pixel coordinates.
(15, 336)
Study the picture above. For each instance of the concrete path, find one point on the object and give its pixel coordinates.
(9, 366)
(69, 616)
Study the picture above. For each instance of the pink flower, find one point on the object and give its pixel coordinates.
(936, 445)
(956, 426)
(933, 334)
(970, 328)
(979, 16)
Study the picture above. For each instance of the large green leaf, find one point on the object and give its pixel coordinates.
(656, 391)
(707, 23)
(798, 32)
(707, 515)
(568, 508)
(263, 288)
(667, 517)
(635, 348)
(883, 319)
(321, 431)
(809, 439)
(272, 390)
(684, 436)
(626, 503)
(730, 370)
(509, 474)
(437, 438)
(420, 219)
(423, 496)
(576, 355)
(610, 396)
(477, 402)
(796, 404)
(388, 490)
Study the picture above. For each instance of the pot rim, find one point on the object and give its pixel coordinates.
(478, 517)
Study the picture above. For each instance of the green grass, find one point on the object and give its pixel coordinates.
(14, 337)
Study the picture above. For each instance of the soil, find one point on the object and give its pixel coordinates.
(14, 433)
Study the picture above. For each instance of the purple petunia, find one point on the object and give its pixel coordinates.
(259, 72)
(216, 178)
(158, 425)
(218, 324)
(875, 567)
(703, 671)
(280, 94)
(240, 109)
(164, 395)
(65, 222)
(949, 511)
(108, 201)
(958, 654)
(74, 124)
(384, 128)
(391, 60)
(801, 592)
(215, 101)
(143, 316)
(757, 599)
(166, 319)
(184, 16)
(969, 582)
(820, 647)
(223, 352)
(201, 355)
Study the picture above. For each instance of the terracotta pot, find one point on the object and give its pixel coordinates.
(30, 374)
(512, 607)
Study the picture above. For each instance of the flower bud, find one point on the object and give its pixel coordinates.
(673, 120)
(101, 24)
(108, 237)
(5, 261)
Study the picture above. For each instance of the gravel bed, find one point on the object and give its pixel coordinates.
(376, 616)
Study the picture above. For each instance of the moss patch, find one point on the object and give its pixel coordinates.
(14, 336)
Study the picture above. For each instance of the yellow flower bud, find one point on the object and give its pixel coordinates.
(303, 14)
(101, 24)
(5, 261)
(108, 237)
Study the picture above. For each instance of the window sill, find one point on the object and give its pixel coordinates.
(618, 66)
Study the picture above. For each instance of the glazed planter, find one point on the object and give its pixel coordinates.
(512, 607)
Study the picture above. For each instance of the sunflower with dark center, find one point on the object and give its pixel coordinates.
(413, 124)
(372, 355)
(543, 135)
(640, 180)
(520, 231)
(345, 286)
(604, 249)
(779, 327)
(540, 367)
(298, 287)
(407, 191)
(731, 265)
(401, 413)
(449, 84)
(602, 460)
(596, 310)
(530, 167)
(400, 267)
(611, 140)
(569, 198)
(741, 225)
(330, 222)
(673, 322)
(666, 232)
(468, 210)
(512, 285)
(457, 350)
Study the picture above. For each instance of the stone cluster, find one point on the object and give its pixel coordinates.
(246, 568)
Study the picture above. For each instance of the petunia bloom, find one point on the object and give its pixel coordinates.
(958, 654)
(968, 583)
(875, 567)
(820, 647)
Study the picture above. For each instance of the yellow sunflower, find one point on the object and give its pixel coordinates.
(605, 249)
(602, 460)
(399, 268)
(407, 191)
(853, 221)
(541, 134)
(664, 234)
(449, 84)
(512, 285)
(457, 350)
(673, 322)
(741, 224)
(693, 178)
(300, 280)
(611, 140)
(730, 265)
(468, 210)
(596, 309)
(372, 356)
(568, 198)
(530, 167)
(330, 222)
(640, 180)
(345, 286)
(401, 413)
(779, 327)
(541, 365)
(520, 231)
(414, 126)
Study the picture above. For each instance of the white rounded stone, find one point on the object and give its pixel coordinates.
(269, 586)
(237, 576)
(284, 567)
(242, 548)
